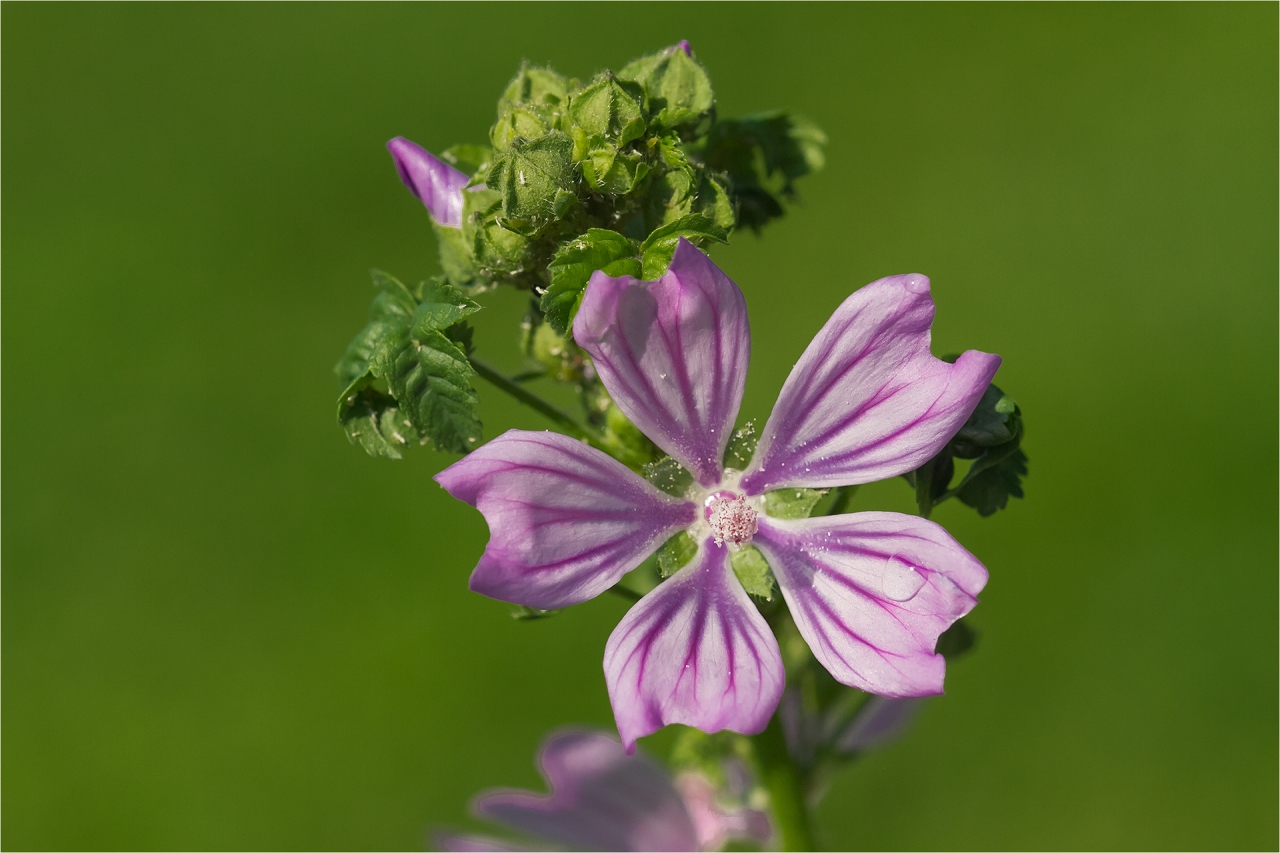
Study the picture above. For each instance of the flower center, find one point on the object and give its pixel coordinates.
(730, 517)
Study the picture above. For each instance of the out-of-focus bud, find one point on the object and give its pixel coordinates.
(683, 44)
(436, 184)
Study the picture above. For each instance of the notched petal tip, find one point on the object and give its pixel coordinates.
(694, 651)
(868, 400)
(872, 592)
(565, 520)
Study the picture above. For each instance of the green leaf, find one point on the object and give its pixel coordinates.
(660, 246)
(530, 177)
(572, 266)
(609, 108)
(430, 377)
(791, 503)
(742, 446)
(753, 572)
(456, 257)
(417, 349)
(989, 490)
(676, 553)
(763, 155)
(390, 311)
(373, 421)
(439, 307)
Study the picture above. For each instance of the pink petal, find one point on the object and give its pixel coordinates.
(879, 722)
(436, 184)
(673, 354)
(694, 651)
(867, 400)
(871, 592)
(565, 520)
(601, 799)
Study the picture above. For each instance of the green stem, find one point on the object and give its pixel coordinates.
(533, 401)
(785, 785)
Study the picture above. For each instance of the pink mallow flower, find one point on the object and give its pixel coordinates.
(604, 799)
(870, 592)
(436, 184)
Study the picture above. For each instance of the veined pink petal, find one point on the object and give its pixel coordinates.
(694, 651)
(871, 592)
(867, 400)
(565, 520)
(673, 354)
(436, 184)
(601, 799)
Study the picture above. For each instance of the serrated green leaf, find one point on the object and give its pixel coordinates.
(676, 553)
(571, 269)
(439, 307)
(994, 422)
(430, 377)
(658, 249)
(391, 309)
(741, 447)
(669, 476)
(791, 503)
(991, 487)
(374, 422)
(753, 572)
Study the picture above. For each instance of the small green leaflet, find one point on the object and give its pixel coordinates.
(669, 476)
(407, 374)
(741, 447)
(676, 553)
(572, 266)
(752, 571)
(659, 247)
(791, 503)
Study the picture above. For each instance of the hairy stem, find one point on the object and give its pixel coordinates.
(783, 779)
(533, 401)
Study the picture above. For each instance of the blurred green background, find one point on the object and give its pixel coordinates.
(224, 627)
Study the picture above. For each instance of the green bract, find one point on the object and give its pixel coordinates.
(605, 174)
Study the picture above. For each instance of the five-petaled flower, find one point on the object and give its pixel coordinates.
(870, 592)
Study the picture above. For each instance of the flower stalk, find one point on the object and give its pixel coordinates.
(533, 401)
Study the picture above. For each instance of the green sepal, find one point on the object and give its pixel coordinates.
(532, 178)
(624, 441)
(660, 246)
(791, 503)
(753, 572)
(677, 88)
(457, 259)
(607, 170)
(741, 447)
(571, 269)
(521, 613)
(468, 158)
(609, 108)
(669, 476)
(676, 553)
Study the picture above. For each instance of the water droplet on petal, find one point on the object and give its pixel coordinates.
(900, 581)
